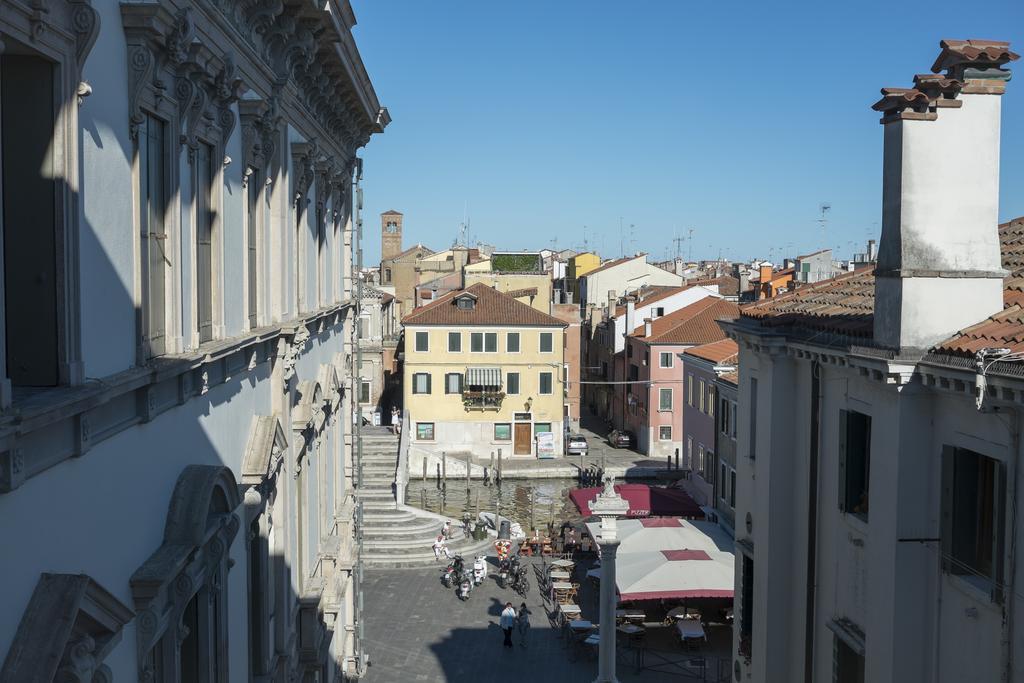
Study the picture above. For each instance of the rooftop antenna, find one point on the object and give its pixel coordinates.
(689, 257)
(584, 238)
(823, 221)
(678, 242)
(632, 238)
(622, 247)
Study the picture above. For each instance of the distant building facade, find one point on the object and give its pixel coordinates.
(484, 371)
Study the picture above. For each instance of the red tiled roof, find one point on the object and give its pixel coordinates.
(416, 247)
(727, 284)
(844, 305)
(391, 212)
(732, 378)
(492, 308)
(721, 352)
(693, 324)
(525, 291)
(956, 52)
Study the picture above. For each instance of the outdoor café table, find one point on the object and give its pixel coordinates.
(561, 586)
(581, 625)
(690, 628)
(564, 564)
(570, 610)
(559, 576)
(632, 631)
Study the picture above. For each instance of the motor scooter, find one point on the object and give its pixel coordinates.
(479, 569)
(465, 586)
(504, 566)
(453, 571)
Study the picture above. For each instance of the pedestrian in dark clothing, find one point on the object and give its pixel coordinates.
(523, 624)
(507, 623)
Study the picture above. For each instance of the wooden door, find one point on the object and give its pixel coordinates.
(522, 441)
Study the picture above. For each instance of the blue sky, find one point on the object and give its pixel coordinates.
(735, 119)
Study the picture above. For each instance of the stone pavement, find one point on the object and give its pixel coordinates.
(417, 630)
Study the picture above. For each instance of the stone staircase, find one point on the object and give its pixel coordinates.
(394, 535)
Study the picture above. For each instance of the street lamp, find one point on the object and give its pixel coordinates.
(608, 505)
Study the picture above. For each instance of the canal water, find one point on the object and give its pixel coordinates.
(534, 503)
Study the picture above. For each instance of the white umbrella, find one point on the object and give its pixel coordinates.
(674, 574)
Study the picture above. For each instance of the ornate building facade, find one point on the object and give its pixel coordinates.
(179, 195)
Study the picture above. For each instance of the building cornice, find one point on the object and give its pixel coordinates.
(79, 417)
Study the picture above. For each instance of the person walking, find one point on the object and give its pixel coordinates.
(507, 623)
(523, 623)
(394, 419)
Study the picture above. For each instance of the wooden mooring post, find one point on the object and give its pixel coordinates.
(499, 466)
(424, 468)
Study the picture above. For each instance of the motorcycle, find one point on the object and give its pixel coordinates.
(520, 582)
(453, 571)
(503, 567)
(465, 586)
(479, 570)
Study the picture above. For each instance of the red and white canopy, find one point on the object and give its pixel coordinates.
(671, 558)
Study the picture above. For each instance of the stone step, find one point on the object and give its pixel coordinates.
(425, 557)
(412, 530)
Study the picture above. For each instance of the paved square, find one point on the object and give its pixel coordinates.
(417, 630)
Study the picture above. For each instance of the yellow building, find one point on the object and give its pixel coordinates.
(484, 371)
(579, 265)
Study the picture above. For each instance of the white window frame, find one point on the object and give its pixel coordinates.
(519, 342)
(457, 335)
(671, 399)
(661, 436)
(416, 341)
(540, 384)
(663, 356)
(508, 384)
(540, 342)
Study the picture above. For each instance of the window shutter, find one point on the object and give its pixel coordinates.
(428, 382)
(842, 459)
(154, 235)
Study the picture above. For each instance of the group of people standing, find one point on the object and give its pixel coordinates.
(510, 619)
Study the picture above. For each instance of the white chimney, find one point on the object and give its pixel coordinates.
(630, 315)
(939, 268)
(647, 327)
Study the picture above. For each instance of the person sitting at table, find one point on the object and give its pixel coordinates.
(570, 541)
(535, 542)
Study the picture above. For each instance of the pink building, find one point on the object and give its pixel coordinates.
(652, 396)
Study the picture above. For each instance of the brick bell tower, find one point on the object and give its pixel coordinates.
(390, 235)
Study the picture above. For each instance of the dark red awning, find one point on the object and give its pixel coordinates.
(644, 501)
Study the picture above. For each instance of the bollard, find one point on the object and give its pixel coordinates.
(423, 499)
(444, 468)
(492, 461)
(467, 472)
(499, 466)
(424, 468)
(533, 504)
(668, 462)
(677, 458)
(438, 475)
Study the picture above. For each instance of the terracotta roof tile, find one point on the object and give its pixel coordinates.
(727, 284)
(844, 305)
(730, 377)
(721, 352)
(974, 51)
(693, 324)
(492, 308)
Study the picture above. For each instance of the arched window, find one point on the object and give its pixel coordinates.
(180, 591)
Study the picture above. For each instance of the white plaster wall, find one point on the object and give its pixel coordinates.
(105, 204)
(626, 276)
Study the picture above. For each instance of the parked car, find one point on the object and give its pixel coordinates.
(621, 439)
(576, 445)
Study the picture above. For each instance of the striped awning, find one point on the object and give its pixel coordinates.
(483, 377)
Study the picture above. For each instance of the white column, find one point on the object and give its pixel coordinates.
(608, 506)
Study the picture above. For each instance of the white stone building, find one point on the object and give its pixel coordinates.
(176, 479)
(879, 455)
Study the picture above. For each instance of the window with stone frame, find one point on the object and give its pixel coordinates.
(421, 383)
(545, 383)
(153, 193)
(546, 342)
(665, 433)
(204, 197)
(665, 399)
(512, 383)
(512, 342)
(453, 383)
(364, 391)
(424, 431)
(974, 519)
(253, 225)
(454, 342)
(854, 462)
(422, 341)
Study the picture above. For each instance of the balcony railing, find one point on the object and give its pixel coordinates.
(482, 400)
